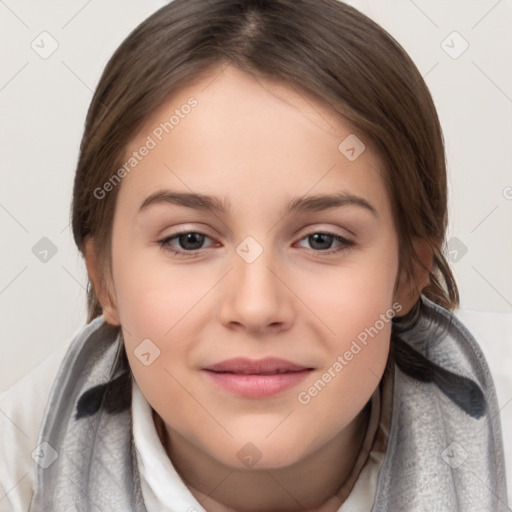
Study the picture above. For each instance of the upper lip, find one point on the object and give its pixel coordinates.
(268, 365)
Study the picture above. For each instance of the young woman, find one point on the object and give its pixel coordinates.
(260, 200)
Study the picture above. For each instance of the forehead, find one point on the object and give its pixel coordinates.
(231, 134)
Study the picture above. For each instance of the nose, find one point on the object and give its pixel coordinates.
(255, 296)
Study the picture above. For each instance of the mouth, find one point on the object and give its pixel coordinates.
(253, 378)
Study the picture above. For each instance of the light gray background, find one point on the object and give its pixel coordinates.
(43, 105)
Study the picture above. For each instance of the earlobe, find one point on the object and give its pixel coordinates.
(100, 283)
(409, 287)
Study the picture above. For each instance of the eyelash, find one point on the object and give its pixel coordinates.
(345, 246)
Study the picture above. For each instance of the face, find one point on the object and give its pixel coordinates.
(254, 262)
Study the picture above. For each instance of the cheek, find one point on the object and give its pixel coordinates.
(153, 297)
(355, 363)
(357, 307)
(159, 329)
(162, 311)
(352, 297)
(153, 318)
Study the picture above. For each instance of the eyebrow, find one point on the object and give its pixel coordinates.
(302, 204)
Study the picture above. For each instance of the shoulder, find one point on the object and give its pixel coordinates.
(22, 409)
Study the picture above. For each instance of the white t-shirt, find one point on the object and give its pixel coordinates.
(21, 412)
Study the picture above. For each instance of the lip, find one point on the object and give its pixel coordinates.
(257, 378)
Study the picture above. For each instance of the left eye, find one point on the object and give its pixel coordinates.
(321, 241)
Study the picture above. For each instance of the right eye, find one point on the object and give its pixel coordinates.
(183, 242)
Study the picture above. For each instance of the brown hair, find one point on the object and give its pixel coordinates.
(324, 47)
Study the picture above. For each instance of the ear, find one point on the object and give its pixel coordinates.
(409, 287)
(101, 283)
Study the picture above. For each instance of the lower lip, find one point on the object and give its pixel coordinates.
(257, 386)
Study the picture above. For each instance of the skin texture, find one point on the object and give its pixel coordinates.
(255, 144)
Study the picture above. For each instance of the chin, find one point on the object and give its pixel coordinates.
(262, 453)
